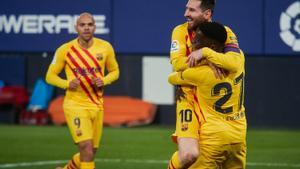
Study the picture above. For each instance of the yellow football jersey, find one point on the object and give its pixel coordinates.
(220, 100)
(83, 64)
(181, 47)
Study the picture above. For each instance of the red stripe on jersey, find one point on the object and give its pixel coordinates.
(191, 35)
(93, 59)
(188, 52)
(81, 82)
(196, 99)
(83, 60)
(87, 65)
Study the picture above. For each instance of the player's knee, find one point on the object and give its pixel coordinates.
(86, 150)
(189, 157)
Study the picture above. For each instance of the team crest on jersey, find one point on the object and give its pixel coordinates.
(99, 56)
(174, 46)
(78, 133)
(184, 127)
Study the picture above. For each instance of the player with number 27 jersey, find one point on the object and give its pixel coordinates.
(221, 100)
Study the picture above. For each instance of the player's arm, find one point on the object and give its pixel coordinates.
(191, 76)
(112, 67)
(56, 66)
(231, 59)
(178, 50)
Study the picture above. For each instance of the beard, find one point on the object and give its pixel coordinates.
(195, 22)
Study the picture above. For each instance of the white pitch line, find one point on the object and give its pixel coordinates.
(273, 164)
(140, 161)
(28, 164)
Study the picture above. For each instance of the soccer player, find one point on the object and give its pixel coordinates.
(84, 60)
(182, 57)
(223, 129)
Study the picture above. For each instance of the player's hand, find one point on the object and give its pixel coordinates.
(219, 72)
(74, 84)
(97, 81)
(194, 58)
(179, 94)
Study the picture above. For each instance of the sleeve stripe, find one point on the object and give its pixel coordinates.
(232, 45)
(231, 49)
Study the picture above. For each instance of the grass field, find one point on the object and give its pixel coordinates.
(133, 148)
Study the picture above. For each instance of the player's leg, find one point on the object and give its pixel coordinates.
(211, 157)
(80, 126)
(188, 149)
(90, 146)
(174, 162)
(189, 152)
(70, 115)
(73, 163)
(86, 154)
(187, 130)
(237, 158)
(97, 128)
(87, 147)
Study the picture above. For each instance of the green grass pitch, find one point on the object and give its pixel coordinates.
(30, 147)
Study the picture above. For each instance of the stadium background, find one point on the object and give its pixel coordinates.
(140, 32)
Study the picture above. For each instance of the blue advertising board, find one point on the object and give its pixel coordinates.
(282, 27)
(245, 18)
(146, 26)
(135, 26)
(37, 25)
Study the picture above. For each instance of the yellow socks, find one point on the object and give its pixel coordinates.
(174, 163)
(74, 163)
(87, 165)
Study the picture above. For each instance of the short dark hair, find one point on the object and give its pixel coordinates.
(210, 34)
(208, 4)
(213, 30)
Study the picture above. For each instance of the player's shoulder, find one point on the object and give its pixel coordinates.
(102, 42)
(231, 37)
(181, 27)
(229, 31)
(66, 46)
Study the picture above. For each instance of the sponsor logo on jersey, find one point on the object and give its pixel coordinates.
(290, 26)
(236, 116)
(83, 71)
(174, 46)
(51, 24)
